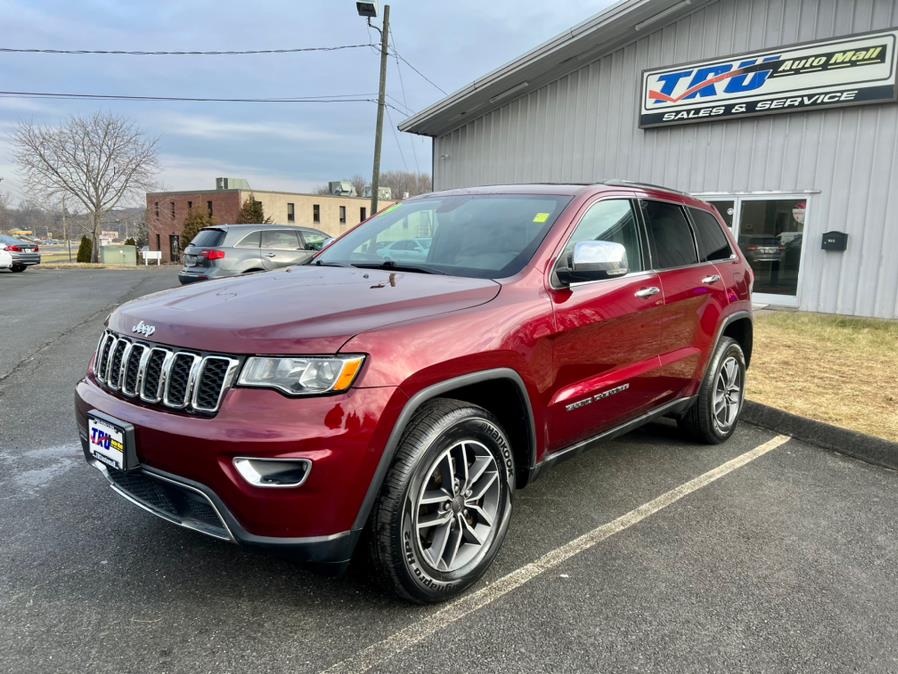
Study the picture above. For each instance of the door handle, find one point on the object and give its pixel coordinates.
(714, 278)
(648, 292)
(270, 254)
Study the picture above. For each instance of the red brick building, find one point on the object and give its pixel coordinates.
(166, 212)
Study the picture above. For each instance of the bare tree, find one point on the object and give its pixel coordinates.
(98, 160)
(358, 183)
(401, 182)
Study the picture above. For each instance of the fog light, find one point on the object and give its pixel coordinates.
(273, 472)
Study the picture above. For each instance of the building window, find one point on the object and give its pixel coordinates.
(342, 215)
(173, 210)
(156, 205)
(316, 213)
(291, 213)
(189, 205)
(209, 206)
(363, 213)
(158, 242)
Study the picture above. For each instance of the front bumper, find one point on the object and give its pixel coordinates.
(187, 477)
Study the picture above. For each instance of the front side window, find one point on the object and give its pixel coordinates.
(670, 235)
(712, 242)
(611, 220)
(279, 239)
(481, 236)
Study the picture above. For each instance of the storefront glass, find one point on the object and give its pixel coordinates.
(770, 233)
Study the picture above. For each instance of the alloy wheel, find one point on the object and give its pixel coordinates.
(728, 394)
(457, 506)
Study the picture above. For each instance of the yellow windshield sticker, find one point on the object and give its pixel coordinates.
(540, 217)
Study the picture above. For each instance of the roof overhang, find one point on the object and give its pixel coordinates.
(610, 29)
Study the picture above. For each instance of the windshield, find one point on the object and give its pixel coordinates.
(482, 236)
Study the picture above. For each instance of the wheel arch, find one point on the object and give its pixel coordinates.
(739, 326)
(483, 388)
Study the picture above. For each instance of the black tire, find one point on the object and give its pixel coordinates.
(395, 549)
(19, 267)
(700, 422)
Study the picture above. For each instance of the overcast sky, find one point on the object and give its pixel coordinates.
(275, 146)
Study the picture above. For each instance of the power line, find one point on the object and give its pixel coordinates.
(396, 137)
(425, 77)
(404, 99)
(337, 98)
(234, 52)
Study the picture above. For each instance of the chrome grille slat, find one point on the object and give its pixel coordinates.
(179, 380)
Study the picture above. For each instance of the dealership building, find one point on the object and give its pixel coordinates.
(780, 112)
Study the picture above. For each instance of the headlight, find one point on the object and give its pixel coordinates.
(311, 375)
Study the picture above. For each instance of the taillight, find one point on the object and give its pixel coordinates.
(213, 254)
(37, 249)
(14, 249)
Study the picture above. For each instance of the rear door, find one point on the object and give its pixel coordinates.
(605, 349)
(694, 297)
(281, 248)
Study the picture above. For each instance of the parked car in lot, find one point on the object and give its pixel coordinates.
(24, 253)
(406, 250)
(5, 259)
(411, 399)
(229, 250)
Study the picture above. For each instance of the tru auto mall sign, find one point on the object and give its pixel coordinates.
(844, 71)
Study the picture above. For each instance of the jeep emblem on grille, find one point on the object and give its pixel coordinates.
(144, 329)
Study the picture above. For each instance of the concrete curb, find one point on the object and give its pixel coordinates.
(864, 447)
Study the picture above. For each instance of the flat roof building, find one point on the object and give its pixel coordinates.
(166, 212)
(780, 112)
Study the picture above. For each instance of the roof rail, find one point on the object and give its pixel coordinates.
(622, 182)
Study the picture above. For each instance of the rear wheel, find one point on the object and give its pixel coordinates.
(713, 417)
(19, 267)
(445, 504)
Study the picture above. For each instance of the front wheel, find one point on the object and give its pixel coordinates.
(445, 504)
(715, 412)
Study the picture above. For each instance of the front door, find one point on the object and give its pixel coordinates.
(605, 346)
(770, 230)
(281, 248)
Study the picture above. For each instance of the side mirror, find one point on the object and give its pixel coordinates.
(593, 261)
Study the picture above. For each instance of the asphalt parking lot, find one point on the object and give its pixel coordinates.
(784, 560)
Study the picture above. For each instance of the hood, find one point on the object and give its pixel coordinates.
(306, 309)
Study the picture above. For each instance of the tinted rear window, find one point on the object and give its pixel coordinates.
(712, 242)
(670, 233)
(208, 237)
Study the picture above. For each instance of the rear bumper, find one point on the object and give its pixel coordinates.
(25, 259)
(187, 475)
(194, 274)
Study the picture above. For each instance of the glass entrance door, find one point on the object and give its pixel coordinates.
(770, 232)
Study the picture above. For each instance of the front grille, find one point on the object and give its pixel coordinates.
(180, 380)
(175, 502)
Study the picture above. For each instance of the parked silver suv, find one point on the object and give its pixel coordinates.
(229, 250)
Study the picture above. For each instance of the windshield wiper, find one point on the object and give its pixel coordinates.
(392, 265)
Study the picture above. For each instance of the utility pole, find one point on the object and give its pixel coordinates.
(379, 131)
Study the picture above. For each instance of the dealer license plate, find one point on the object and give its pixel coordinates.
(108, 443)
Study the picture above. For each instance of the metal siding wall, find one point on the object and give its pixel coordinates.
(583, 127)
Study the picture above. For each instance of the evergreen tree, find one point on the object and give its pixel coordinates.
(252, 213)
(130, 241)
(196, 219)
(85, 250)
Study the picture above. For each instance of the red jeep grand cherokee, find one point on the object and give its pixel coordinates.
(409, 395)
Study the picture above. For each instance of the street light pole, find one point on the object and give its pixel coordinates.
(378, 132)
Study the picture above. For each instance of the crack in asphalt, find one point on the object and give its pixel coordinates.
(131, 293)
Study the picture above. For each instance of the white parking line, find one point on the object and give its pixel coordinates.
(380, 652)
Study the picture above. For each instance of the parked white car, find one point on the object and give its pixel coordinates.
(5, 259)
